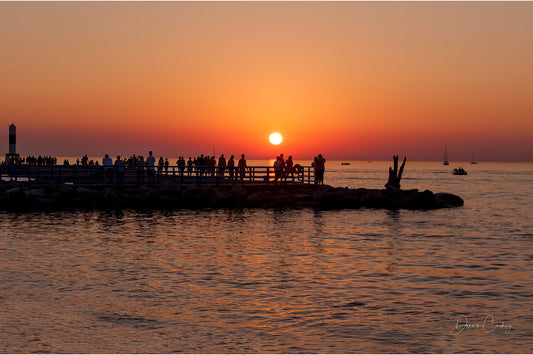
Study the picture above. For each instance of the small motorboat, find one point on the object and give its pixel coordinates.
(345, 163)
(459, 171)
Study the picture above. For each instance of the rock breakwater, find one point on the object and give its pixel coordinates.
(18, 196)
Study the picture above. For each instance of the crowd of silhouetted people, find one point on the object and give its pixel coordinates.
(283, 169)
(200, 166)
(203, 165)
(40, 160)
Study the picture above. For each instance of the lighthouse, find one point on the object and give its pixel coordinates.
(12, 156)
(12, 140)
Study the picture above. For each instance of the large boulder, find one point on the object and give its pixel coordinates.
(324, 194)
(238, 190)
(220, 196)
(32, 193)
(448, 200)
(259, 198)
(12, 192)
(83, 191)
(415, 200)
(373, 198)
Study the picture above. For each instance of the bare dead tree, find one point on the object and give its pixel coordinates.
(395, 175)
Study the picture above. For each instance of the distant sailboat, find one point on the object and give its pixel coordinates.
(473, 161)
(446, 157)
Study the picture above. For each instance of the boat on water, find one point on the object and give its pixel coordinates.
(346, 164)
(473, 161)
(459, 171)
(446, 157)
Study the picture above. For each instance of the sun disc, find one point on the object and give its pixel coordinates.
(275, 138)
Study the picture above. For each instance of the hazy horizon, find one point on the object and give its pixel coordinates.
(172, 158)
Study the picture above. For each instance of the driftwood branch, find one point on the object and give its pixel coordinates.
(395, 175)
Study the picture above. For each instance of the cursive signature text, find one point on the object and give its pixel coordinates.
(488, 325)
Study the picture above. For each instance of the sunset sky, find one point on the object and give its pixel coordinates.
(350, 80)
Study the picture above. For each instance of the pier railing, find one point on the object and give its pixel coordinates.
(98, 174)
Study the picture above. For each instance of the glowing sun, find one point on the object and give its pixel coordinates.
(275, 138)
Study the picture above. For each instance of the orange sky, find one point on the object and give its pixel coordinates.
(350, 80)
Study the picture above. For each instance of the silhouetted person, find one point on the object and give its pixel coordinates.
(221, 165)
(107, 162)
(242, 167)
(319, 169)
(190, 165)
(201, 164)
(166, 166)
(181, 165)
(119, 169)
(231, 167)
(160, 165)
(278, 169)
(289, 169)
(150, 166)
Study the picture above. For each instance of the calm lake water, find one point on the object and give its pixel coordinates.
(289, 281)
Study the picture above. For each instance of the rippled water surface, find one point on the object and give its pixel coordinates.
(256, 280)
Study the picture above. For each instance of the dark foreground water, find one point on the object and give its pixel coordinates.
(226, 281)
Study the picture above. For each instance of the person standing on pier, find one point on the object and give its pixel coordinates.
(289, 169)
(231, 167)
(221, 165)
(242, 167)
(278, 169)
(119, 169)
(150, 166)
(319, 169)
(181, 165)
(200, 165)
(107, 162)
(160, 165)
(190, 165)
